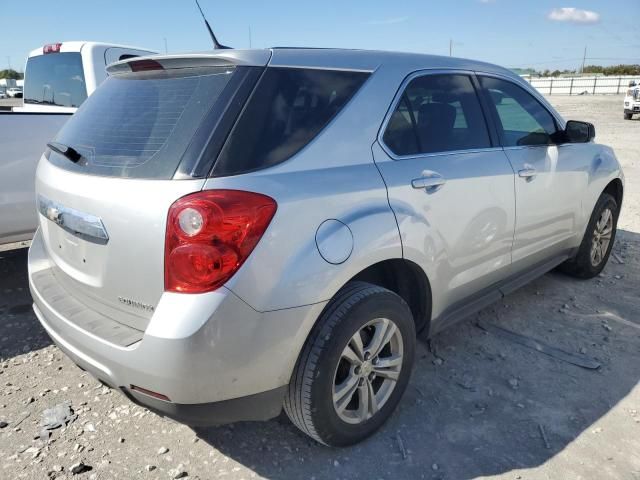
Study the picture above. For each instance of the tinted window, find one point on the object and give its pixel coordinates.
(287, 109)
(55, 79)
(522, 120)
(139, 125)
(437, 113)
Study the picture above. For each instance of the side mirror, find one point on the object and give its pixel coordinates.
(579, 132)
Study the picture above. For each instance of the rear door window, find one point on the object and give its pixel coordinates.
(288, 109)
(55, 79)
(139, 125)
(437, 113)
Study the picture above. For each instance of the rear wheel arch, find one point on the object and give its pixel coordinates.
(406, 279)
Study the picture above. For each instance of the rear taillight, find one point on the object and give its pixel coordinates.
(209, 236)
(52, 48)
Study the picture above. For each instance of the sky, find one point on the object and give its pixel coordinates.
(513, 33)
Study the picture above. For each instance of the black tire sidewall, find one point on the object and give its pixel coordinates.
(331, 429)
(584, 255)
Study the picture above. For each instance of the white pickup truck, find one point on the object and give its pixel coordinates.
(632, 101)
(58, 78)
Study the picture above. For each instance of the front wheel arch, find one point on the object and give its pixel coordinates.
(616, 190)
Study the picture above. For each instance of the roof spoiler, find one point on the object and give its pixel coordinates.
(222, 58)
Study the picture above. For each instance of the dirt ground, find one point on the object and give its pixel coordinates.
(479, 404)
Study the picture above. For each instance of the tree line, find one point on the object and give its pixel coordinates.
(613, 70)
(11, 74)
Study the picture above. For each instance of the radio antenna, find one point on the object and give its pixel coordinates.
(216, 45)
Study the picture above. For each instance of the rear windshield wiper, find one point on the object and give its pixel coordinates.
(69, 152)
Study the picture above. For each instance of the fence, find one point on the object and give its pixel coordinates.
(597, 85)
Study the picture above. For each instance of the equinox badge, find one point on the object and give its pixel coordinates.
(135, 304)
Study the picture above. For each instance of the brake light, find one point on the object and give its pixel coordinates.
(144, 65)
(52, 48)
(209, 236)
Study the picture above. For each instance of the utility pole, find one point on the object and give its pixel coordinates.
(166, 50)
(9, 61)
(584, 58)
(451, 47)
(249, 36)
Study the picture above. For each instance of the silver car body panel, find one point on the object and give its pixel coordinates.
(483, 228)
(461, 235)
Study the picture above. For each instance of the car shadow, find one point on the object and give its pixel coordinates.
(479, 404)
(20, 331)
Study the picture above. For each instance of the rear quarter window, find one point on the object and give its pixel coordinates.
(288, 109)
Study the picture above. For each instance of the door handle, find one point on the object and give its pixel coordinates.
(528, 172)
(430, 181)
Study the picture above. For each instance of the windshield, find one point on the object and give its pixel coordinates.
(139, 125)
(55, 79)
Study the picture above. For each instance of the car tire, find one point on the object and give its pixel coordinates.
(597, 242)
(343, 389)
(628, 116)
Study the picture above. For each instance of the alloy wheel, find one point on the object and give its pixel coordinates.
(601, 237)
(368, 370)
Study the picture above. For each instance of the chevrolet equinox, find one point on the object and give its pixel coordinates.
(226, 234)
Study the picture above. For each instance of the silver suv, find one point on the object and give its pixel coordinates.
(226, 234)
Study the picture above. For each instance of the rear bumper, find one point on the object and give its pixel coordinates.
(255, 407)
(230, 363)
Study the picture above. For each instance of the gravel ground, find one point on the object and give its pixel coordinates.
(479, 404)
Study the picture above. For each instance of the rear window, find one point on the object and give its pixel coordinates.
(287, 110)
(139, 125)
(55, 79)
